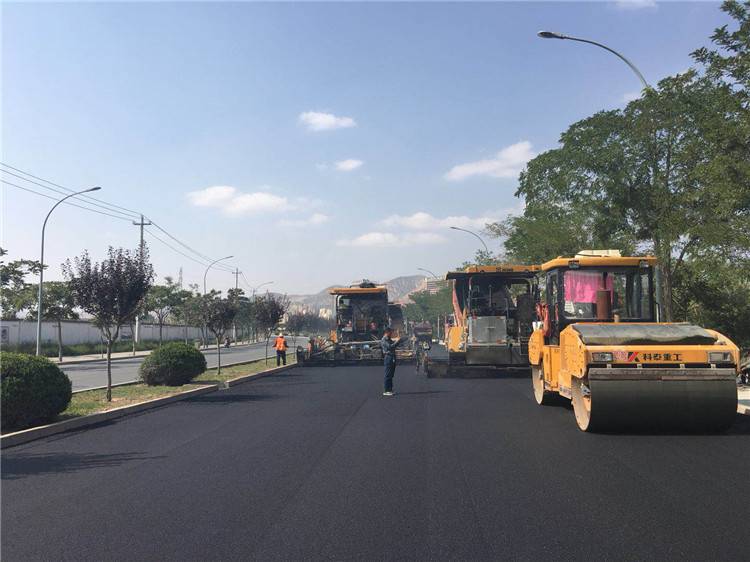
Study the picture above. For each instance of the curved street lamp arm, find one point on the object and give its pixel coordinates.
(41, 268)
(622, 57)
(205, 273)
(475, 235)
(427, 271)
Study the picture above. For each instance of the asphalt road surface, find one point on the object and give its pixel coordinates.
(314, 464)
(93, 374)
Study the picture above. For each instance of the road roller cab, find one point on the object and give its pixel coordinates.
(598, 343)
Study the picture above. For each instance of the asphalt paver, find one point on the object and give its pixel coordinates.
(314, 464)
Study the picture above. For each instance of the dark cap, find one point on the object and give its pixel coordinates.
(388, 329)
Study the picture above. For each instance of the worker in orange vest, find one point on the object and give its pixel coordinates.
(280, 346)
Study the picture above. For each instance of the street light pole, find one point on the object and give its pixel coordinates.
(255, 331)
(259, 286)
(236, 286)
(474, 234)
(209, 267)
(41, 270)
(554, 35)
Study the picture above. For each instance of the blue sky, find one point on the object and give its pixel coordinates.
(317, 143)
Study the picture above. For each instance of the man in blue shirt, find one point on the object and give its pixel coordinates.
(389, 359)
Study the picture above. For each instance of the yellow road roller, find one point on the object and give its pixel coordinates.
(599, 343)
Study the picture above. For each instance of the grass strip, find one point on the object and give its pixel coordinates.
(229, 373)
(95, 401)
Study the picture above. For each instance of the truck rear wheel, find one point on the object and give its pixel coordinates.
(541, 395)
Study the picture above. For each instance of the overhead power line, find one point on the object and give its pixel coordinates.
(196, 252)
(69, 190)
(127, 216)
(108, 209)
(65, 202)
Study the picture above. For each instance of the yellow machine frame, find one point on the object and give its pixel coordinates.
(485, 358)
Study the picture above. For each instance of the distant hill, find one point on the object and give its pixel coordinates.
(398, 289)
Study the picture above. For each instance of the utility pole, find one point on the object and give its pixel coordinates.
(142, 223)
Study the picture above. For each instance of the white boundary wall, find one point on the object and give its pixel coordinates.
(14, 332)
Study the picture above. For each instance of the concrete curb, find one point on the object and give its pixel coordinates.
(103, 360)
(34, 433)
(138, 354)
(743, 393)
(138, 380)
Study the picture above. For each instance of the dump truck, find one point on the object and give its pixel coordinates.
(599, 342)
(492, 321)
(362, 312)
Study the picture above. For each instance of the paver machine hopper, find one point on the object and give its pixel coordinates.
(362, 313)
(493, 308)
(599, 343)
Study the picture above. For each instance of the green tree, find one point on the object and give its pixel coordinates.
(430, 307)
(730, 63)
(667, 175)
(246, 316)
(240, 300)
(269, 312)
(163, 301)
(13, 286)
(190, 312)
(57, 305)
(218, 316)
(112, 292)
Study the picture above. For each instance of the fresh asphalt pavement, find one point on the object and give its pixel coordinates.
(92, 374)
(314, 464)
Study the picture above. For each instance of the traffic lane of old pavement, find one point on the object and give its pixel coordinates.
(92, 374)
(315, 464)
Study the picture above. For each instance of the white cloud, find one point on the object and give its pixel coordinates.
(215, 196)
(635, 4)
(348, 165)
(234, 202)
(507, 164)
(390, 240)
(425, 221)
(315, 219)
(319, 121)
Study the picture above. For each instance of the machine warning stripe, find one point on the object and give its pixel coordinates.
(662, 374)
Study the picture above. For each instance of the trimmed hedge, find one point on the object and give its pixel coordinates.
(173, 364)
(34, 390)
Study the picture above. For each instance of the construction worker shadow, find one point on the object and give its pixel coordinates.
(19, 465)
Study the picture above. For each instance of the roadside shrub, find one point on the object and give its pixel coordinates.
(34, 390)
(173, 364)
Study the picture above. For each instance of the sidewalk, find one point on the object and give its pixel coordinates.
(743, 400)
(73, 359)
